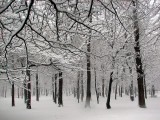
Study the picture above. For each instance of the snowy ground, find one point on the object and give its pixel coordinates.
(45, 109)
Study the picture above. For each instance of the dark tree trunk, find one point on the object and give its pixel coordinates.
(55, 89)
(116, 91)
(28, 100)
(74, 92)
(139, 69)
(102, 87)
(60, 99)
(37, 88)
(97, 92)
(121, 89)
(109, 92)
(13, 100)
(88, 94)
(82, 89)
(131, 91)
(78, 79)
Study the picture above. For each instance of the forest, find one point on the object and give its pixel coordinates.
(97, 57)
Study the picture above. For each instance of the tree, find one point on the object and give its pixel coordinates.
(140, 72)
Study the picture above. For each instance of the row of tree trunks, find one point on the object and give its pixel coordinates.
(4, 91)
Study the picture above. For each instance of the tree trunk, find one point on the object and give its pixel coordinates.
(46, 92)
(55, 89)
(22, 93)
(25, 91)
(109, 92)
(28, 100)
(5, 94)
(97, 94)
(74, 92)
(37, 88)
(153, 91)
(145, 88)
(18, 92)
(121, 89)
(116, 91)
(13, 100)
(131, 91)
(60, 99)
(2, 93)
(140, 73)
(82, 89)
(88, 94)
(106, 91)
(53, 94)
(102, 87)
(78, 79)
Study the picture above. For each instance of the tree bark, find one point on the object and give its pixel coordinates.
(139, 69)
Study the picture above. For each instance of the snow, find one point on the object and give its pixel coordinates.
(45, 109)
